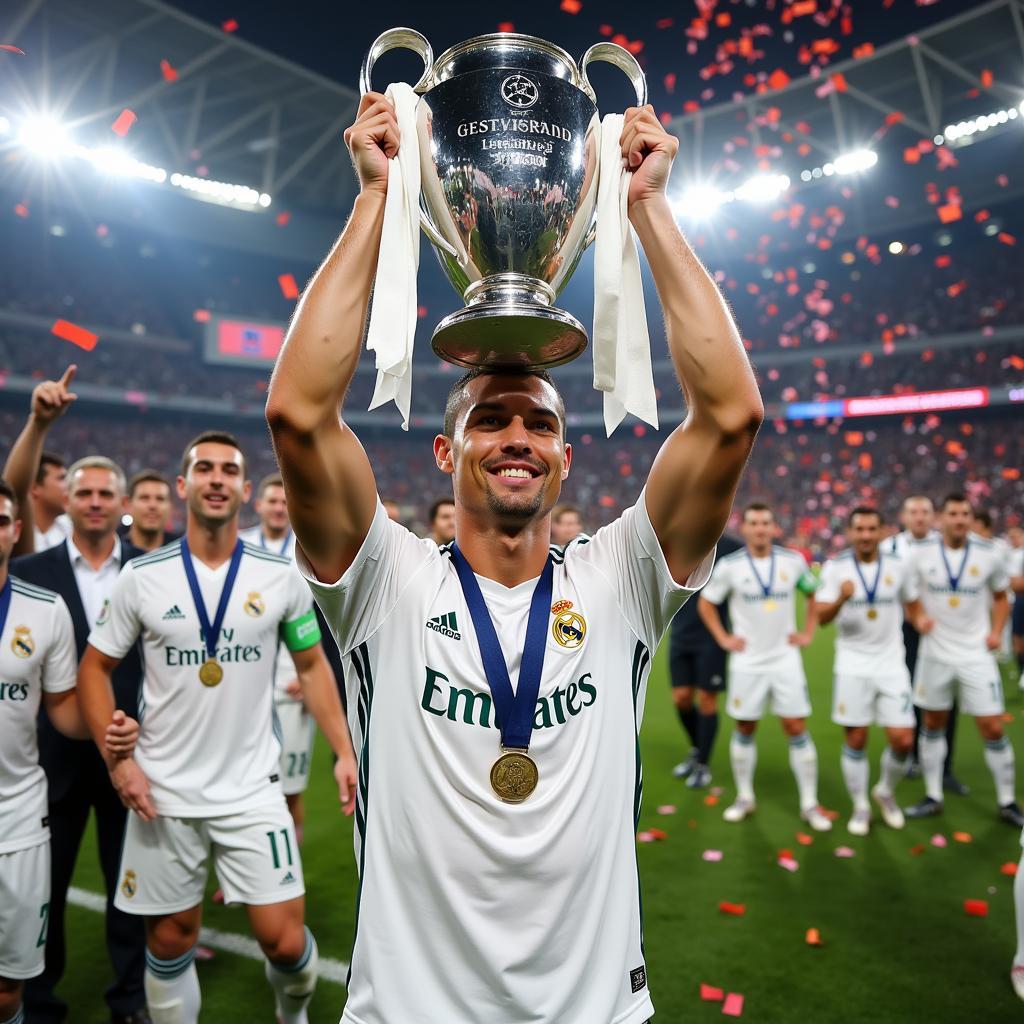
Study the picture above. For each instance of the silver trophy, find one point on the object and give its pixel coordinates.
(507, 133)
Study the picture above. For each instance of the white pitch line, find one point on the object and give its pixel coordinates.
(227, 942)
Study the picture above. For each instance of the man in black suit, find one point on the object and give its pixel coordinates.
(83, 570)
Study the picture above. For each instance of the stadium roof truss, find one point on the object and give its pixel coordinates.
(243, 113)
(923, 80)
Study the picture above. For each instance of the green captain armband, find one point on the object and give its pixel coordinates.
(808, 583)
(302, 632)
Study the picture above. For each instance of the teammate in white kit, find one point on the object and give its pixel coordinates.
(501, 886)
(760, 582)
(204, 782)
(963, 584)
(37, 665)
(274, 533)
(865, 591)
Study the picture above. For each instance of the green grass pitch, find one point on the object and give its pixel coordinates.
(897, 945)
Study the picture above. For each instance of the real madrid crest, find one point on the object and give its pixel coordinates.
(569, 627)
(973, 571)
(888, 580)
(254, 606)
(23, 645)
(130, 885)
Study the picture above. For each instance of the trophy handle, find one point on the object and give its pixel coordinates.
(623, 60)
(407, 39)
(399, 39)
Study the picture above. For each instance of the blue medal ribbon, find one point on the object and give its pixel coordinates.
(765, 587)
(211, 632)
(284, 543)
(515, 711)
(954, 581)
(873, 589)
(5, 603)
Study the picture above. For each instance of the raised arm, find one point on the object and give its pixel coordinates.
(327, 476)
(50, 400)
(693, 481)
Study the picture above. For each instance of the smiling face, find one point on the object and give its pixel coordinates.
(214, 484)
(150, 505)
(95, 502)
(10, 529)
(507, 452)
(272, 508)
(956, 519)
(864, 534)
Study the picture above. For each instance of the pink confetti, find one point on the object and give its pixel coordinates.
(667, 809)
(124, 122)
(733, 1005)
(711, 855)
(789, 864)
(939, 840)
(12, 49)
(710, 994)
(845, 851)
(231, 25)
(644, 837)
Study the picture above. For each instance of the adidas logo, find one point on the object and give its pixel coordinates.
(173, 612)
(445, 625)
(288, 879)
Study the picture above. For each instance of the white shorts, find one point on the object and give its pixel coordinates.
(885, 700)
(297, 732)
(975, 685)
(24, 911)
(749, 692)
(164, 862)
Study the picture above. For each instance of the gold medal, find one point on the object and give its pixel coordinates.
(769, 605)
(514, 776)
(872, 613)
(954, 601)
(210, 672)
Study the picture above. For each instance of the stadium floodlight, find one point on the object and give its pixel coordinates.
(44, 136)
(763, 188)
(895, 248)
(110, 160)
(855, 161)
(700, 202)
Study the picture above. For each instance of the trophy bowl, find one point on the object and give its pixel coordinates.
(507, 130)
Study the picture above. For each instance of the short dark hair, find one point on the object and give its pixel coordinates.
(565, 509)
(270, 480)
(211, 437)
(757, 506)
(438, 505)
(46, 460)
(954, 498)
(864, 510)
(145, 476)
(7, 491)
(983, 516)
(458, 390)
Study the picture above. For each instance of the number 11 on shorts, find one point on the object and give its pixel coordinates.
(272, 836)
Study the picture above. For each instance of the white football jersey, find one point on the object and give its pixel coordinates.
(471, 909)
(962, 617)
(285, 665)
(866, 645)
(37, 654)
(208, 750)
(901, 543)
(765, 621)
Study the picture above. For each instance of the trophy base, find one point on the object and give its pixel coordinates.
(519, 336)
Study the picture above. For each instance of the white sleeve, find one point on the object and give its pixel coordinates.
(719, 587)
(628, 554)
(116, 635)
(357, 604)
(998, 578)
(299, 601)
(909, 588)
(60, 669)
(828, 590)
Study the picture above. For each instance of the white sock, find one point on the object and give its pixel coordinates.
(172, 989)
(894, 771)
(293, 984)
(855, 774)
(1000, 761)
(1018, 900)
(803, 759)
(932, 752)
(743, 755)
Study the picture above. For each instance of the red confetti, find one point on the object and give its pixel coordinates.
(1009, 868)
(864, 50)
(976, 908)
(736, 909)
(571, 6)
(664, 23)
(813, 937)
(803, 7)
(839, 81)
(506, 26)
(893, 117)
(723, 20)
(949, 213)
(282, 218)
(289, 289)
(201, 316)
(986, 79)
(943, 261)
(733, 1005)
(912, 155)
(710, 994)
(1006, 238)
(124, 122)
(12, 49)
(169, 72)
(21, 210)
(76, 335)
(778, 79)
(231, 25)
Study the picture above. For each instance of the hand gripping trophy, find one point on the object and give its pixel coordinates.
(508, 135)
